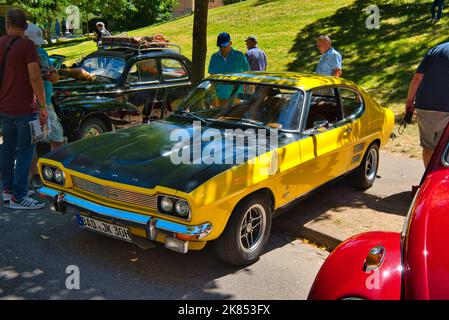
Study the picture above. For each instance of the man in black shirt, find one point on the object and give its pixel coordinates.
(429, 94)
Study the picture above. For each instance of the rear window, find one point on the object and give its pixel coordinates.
(173, 70)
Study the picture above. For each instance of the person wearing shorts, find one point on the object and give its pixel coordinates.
(429, 95)
(50, 76)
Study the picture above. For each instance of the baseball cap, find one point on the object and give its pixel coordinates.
(35, 34)
(223, 39)
(253, 38)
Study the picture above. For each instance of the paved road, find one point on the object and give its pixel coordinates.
(339, 211)
(36, 248)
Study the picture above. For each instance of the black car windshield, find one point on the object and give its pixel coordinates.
(267, 105)
(104, 66)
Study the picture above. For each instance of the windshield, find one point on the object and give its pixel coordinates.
(104, 66)
(267, 105)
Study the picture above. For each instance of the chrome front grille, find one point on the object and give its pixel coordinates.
(139, 199)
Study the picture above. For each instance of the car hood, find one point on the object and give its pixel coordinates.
(142, 156)
(75, 86)
(426, 261)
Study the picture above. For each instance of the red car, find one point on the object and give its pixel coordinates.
(412, 265)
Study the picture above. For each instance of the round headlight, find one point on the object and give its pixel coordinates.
(48, 173)
(167, 204)
(59, 176)
(182, 208)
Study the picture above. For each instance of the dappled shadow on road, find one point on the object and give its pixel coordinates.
(37, 246)
(372, 55)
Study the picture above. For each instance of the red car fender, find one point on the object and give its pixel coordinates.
(343, 276)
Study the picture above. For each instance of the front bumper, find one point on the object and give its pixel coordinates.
(152, 225)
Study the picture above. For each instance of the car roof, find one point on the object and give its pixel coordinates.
(302, 81)
(123, 53)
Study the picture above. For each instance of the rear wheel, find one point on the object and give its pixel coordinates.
(92, 127)
(365, 175)
(246, 233)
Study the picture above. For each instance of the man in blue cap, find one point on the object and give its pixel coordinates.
(227, 60)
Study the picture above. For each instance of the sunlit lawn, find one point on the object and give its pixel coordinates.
(382, 61)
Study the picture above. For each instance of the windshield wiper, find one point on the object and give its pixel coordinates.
(192, 115)
(256, 124)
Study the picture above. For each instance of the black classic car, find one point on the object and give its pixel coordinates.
(131, 86)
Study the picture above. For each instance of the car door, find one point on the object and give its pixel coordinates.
(175, 80)
(142, 89)
(325, 151)
(353, 107)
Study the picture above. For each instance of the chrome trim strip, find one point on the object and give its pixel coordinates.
(157, 86)
(127, 216)
(445, 156)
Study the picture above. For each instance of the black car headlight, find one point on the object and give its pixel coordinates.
(173, 206)
(182, 208)
(52, 174)
(59, 176)
(48, 173)
(166, 204)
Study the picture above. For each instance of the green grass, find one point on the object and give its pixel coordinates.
(382, 61)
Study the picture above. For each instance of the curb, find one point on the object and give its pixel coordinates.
(318, 237)
(314, 236)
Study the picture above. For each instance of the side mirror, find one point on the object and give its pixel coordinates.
(321, 124)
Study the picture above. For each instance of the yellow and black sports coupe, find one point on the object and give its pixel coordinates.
(237, 149)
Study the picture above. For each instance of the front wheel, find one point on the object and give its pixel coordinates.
(92, 127)
(246, 233)
(365, 175)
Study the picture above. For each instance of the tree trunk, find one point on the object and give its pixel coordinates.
(48, 31)
(86, 16)
(199, 49)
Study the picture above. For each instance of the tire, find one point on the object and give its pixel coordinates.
(365, 175)
(92, 127)
(231, 247)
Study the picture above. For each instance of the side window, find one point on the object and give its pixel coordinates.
(173, 69)
(133, 75)
(350, 102)
(148, 70)
(144, 71)
(324, 106)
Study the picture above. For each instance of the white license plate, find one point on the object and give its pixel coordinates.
(105, 228)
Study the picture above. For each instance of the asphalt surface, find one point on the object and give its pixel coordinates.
(338, 211)
(37, 247)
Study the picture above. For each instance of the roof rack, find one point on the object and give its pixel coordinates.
(140, 46)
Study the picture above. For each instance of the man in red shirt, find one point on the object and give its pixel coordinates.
(21, 83)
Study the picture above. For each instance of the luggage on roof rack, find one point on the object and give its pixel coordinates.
(156, 42)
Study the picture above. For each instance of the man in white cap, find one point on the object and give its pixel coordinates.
(50, 76)
(100, 32)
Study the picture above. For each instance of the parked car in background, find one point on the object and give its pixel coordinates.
(131, 86)
(411, 265)
(126, 185)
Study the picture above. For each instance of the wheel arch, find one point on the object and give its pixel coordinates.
(97, 114)
(266, 192)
